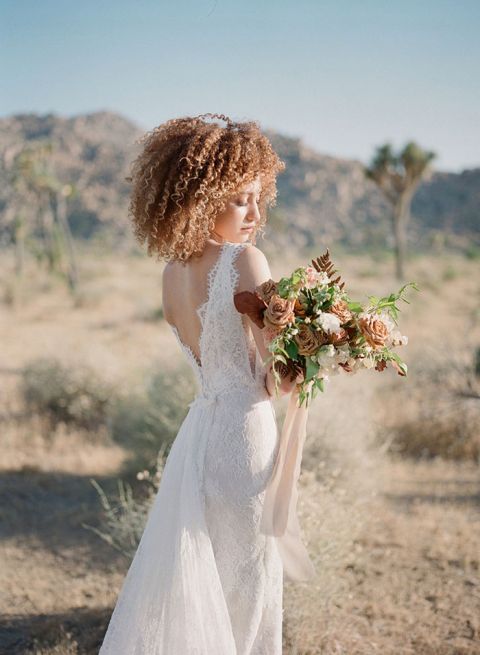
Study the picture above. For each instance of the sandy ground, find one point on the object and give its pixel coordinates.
(408, 579)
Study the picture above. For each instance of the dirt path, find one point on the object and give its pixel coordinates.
(414, 583)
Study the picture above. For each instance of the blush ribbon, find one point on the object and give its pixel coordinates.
(279, 517)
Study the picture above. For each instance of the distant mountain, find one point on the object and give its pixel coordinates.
(326, 199)
(92, 151)
(321, 199)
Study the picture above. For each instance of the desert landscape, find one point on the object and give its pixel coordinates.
(343, 137)
(93, 385)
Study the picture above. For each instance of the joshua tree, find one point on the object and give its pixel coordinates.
(398, 176)
(40, 206)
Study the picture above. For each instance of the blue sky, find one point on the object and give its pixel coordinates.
(345, 76)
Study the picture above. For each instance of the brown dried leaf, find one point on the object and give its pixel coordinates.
(247, 302)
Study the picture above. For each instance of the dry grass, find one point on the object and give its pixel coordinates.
(394, 539)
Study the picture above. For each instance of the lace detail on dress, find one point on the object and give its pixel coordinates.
(224, 337)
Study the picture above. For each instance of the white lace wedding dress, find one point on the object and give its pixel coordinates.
(205, 580)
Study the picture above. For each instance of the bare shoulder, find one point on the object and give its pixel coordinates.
(170, 270)
(253, 268)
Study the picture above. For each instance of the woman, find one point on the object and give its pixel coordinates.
(204, 579)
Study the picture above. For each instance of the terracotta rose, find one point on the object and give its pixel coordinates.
(266, 290)
(340, 309)
(374, 330)
(307, 340)
(279, 312)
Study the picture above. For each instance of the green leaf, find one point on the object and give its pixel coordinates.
(354, 306)
(312, 369)
(292, 349)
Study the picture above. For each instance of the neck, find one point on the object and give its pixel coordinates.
(217, 237)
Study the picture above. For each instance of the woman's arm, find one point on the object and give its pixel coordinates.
(253, 269)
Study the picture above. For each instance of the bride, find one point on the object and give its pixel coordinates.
(205, 580)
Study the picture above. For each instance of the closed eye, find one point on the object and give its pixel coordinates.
(244, 204)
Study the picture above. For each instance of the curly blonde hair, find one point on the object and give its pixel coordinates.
(186, 170)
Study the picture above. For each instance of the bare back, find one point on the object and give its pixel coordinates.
(185, 290)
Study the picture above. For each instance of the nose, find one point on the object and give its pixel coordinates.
(254, 214)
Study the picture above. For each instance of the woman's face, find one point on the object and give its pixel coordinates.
(239, 220)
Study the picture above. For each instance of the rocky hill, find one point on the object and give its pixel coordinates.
(321, 199)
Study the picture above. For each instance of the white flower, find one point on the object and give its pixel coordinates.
(368, 362)
(329, 322)
(397, 339)
(342, 354)
(315, 278)
(323, 278)
(324, 354)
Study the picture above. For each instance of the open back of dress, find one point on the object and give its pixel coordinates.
(228, 355)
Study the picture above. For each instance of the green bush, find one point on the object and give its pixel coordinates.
(146, 423)
(472, 251)
(125, 517)
(141, 420)
(74, 396)
(438, 413)
(145, 420)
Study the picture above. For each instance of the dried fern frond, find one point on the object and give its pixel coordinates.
(325, 264)
(289, 370)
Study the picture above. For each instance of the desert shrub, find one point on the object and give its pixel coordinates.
(449, 273)
(472, 251)
(451, 436)
(125, 516)
(476, 364)
(65, 394)
(140, 419)
(146, 423)
(437, 414)
(58, 642)
(144, 420)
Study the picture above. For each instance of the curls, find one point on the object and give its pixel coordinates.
(183, 174)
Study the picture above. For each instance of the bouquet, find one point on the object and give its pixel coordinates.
(312, 327)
